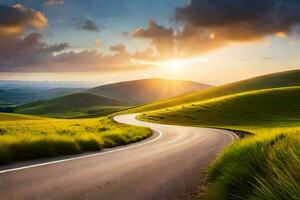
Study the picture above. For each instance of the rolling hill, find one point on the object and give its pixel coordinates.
(269, 107)
(147, 90)
(280, 79)
(73, 105)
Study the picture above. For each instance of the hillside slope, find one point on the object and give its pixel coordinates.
(72, 105)
(280, 79)
(17, 117)
(147, 90)
(268, 107)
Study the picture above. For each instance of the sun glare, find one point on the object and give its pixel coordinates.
(174, 65)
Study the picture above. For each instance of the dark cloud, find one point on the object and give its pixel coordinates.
(241, 19)
(162, 38)
(168, 43)
(31, 54)
(86, 24)
(17, 18)
(18, 49)
(21, 53)
(209, 24)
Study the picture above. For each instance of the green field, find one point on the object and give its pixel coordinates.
(31, 139)
(264, 166)
(75, 105)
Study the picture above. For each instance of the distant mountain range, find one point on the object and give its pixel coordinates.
(107, 98)
(25, 95)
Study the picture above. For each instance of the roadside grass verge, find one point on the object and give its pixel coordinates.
(263, 166)
(31, 139)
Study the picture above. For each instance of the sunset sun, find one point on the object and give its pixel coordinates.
(174, 65)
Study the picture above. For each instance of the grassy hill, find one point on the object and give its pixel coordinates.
(269, 107)
(73, 105)
(280, 79)
(264, 166)
(147, 90)
(17, 117)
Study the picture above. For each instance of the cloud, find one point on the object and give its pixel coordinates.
(253, 19)
(205, 25)
(120, 48)
(17, 18)
(22, 50)
(53, 2)
(161, 38)
(18, 49)
(18, 53)
(92, 60)
(86, 24)
(31, 54)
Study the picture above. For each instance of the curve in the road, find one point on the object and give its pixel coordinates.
(165, 166)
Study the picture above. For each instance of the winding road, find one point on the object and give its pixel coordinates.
(166, 166)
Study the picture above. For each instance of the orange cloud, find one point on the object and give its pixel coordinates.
(16, 19)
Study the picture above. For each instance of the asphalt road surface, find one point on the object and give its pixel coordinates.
(166, 166)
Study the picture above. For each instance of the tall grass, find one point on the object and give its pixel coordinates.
(265, 166)
(47, 138)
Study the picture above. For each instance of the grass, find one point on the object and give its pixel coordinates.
(276, 80)
(17, 117)
(263, 166)
(270, 107)
(75, 105)
(31, 139)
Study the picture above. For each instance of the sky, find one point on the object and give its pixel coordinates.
(106, 41)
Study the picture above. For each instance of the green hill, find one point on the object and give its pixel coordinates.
(280, 79)
(73, 105)
(147, 90)
(17, 117)
(269, 107)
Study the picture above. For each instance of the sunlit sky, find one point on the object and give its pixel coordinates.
(115, 40)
